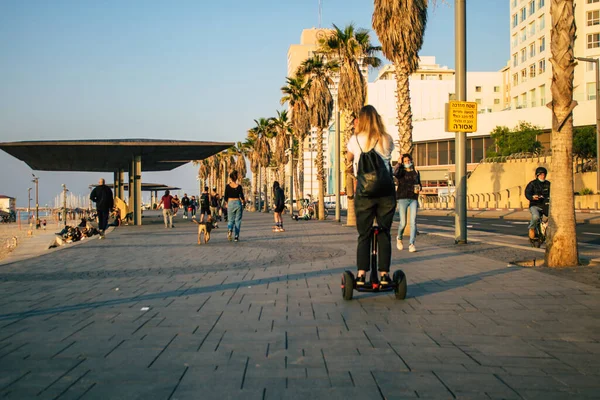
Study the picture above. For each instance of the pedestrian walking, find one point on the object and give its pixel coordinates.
(234, 196)
(407, 194)
(204, 204)
(167, 202)
(279, 200)
(175, 205)
(193, 206)
(224, 209)
(214, 206)
(370, 134)
(103, 197)
(44, 224)
(185, 204)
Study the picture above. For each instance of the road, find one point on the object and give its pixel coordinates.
(509, 232)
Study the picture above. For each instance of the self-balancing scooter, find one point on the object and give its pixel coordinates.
(398, 284)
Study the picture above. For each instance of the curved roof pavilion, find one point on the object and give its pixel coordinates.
(113, 155)
(107, 155)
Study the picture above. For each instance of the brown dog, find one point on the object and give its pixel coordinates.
(204, 228)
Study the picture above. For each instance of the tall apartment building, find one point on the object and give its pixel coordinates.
(530, 69)
(297, 53)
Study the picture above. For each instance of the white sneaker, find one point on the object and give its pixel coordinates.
(412, 248)
(399, 244)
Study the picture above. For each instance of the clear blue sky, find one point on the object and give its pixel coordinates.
(189, 70)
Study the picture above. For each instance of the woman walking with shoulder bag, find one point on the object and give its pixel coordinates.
(234, 196)
(409, 186)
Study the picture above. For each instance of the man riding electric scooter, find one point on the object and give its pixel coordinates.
(538, 194)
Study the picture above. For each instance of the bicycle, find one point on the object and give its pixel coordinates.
(540, 229)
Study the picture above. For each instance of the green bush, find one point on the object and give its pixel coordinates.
(585, 191)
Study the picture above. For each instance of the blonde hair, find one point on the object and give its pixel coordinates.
(369, 122)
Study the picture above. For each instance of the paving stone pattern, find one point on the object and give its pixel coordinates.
(264, 319)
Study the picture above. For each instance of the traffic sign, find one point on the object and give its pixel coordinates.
(461, 116)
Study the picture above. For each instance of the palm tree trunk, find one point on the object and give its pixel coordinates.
(259, 204)
(281, 175)
(266, 206)
(320, 164)
(348, 132)
(561, 247)
(253, 185)
(300, 196)
(403, 107)
(297, 187)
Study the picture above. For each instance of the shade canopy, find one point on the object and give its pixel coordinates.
(110, 155)
(146, 187)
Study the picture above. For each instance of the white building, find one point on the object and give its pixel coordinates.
(530, 68)
(433, 146)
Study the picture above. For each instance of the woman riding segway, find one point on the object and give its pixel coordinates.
(370, 152)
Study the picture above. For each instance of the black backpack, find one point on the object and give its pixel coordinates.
(373, 178)
(204, 200)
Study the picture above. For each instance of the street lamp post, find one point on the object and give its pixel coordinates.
(460, 220)
(90, 187)
(337, 161)
(29, 205)
(37, 205)
(596, 61)
(65, 190)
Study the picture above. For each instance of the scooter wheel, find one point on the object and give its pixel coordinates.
(400, 284)
(347, 285)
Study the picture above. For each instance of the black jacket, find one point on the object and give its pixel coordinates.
(279, 197)
(103, 197)
(535, 187)
(406, 181)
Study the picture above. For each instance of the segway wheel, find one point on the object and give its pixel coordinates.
(400, 284)
(347, 285)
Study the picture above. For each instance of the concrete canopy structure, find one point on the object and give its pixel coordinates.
(147, 187)
(116, 155)
(110, 154)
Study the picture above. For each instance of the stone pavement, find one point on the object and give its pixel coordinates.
(148, 314)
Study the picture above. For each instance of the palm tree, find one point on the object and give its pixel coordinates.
(213, 163)
(203, 169)
(351, 47)
(295, 93)
(561, 249)
(240, 150)
(261, 151)
(282, 129)
(254, 167)
(318, 70)
(227, 165)
(400, 26)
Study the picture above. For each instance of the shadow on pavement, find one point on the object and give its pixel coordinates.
(415, 290)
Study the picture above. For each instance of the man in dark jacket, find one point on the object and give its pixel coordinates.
(103, 197)
(538, 194)
(185, 204)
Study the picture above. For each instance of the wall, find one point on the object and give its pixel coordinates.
(502, 185)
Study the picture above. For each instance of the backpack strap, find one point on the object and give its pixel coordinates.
(357, 142)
